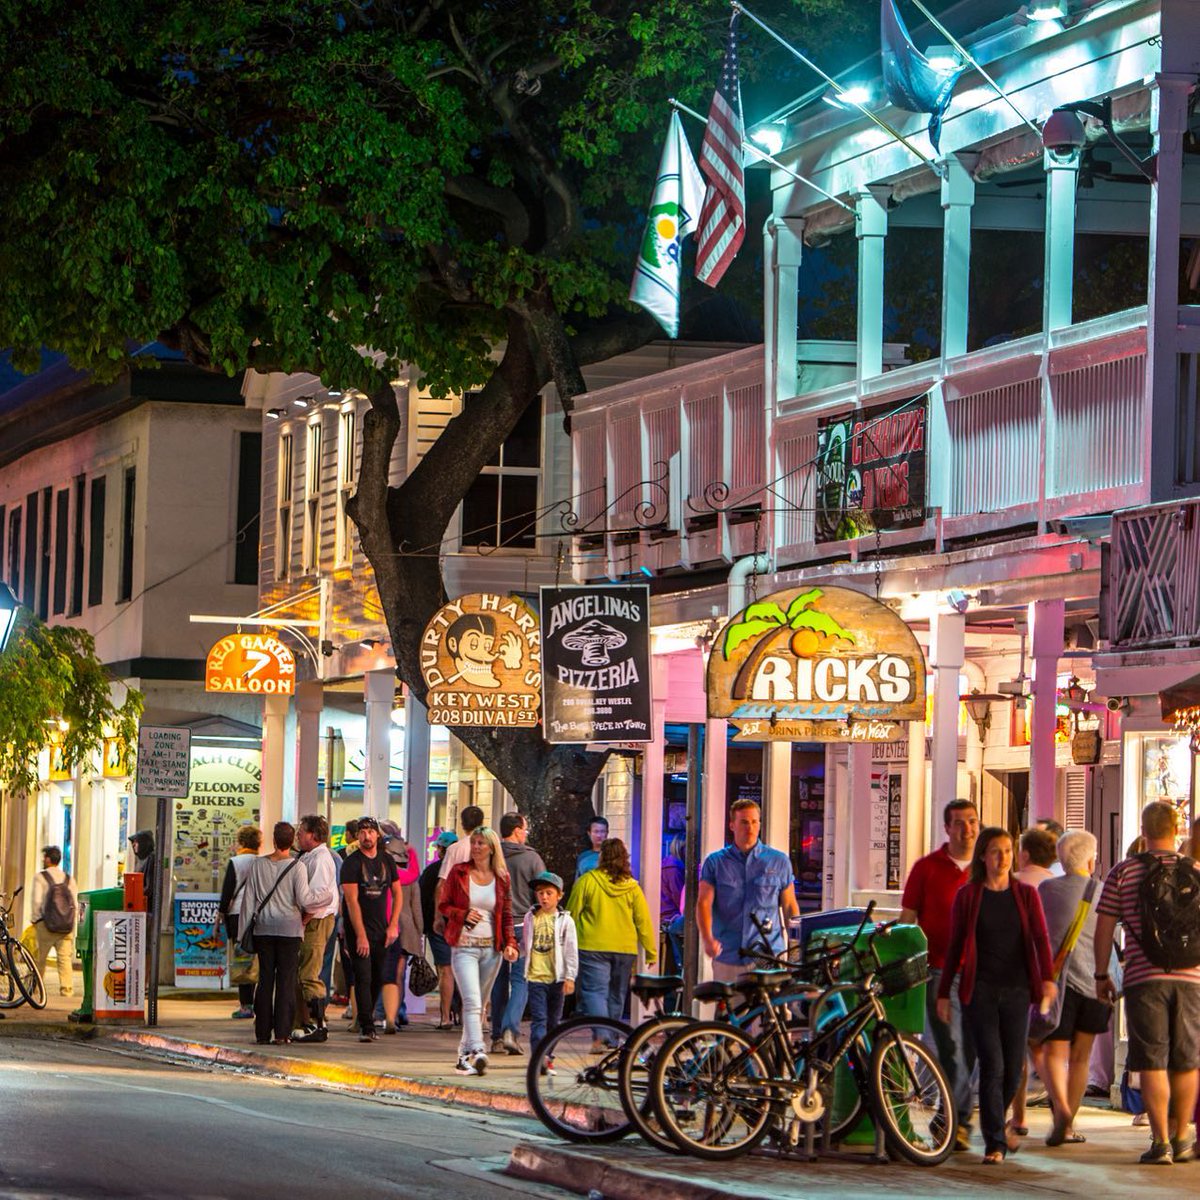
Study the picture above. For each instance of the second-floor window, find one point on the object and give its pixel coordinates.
(62, 533)
(128, 530)
(501, 507)
(283, 515)
(78, 540)
(344, 550)
(311, 550)
(96, 542)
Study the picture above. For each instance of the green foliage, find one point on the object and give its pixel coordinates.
(766, 615)
(51, 679)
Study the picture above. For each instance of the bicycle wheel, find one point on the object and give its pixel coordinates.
(633, 1076)
(9, 996)
(912, 1099)
(26, 975)
(577, 1095)
(711, 1091)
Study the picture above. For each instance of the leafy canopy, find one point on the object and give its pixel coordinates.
(277, 183)
(52, 683)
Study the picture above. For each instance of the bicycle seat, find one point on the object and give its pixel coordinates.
(647, 986)
(714, 990)
(764, 981)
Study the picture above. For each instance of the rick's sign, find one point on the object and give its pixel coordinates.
(817, 665)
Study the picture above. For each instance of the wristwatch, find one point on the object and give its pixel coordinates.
(1099, 977)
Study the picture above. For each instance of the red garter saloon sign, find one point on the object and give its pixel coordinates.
(481, 659)
(821, 664)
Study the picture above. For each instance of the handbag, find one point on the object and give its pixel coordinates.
(1043, 1024)
(245, 942)
(422, 978)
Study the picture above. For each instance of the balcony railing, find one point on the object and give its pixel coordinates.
(692, 467)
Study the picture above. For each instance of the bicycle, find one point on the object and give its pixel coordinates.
(718, 1091)
(20, 980)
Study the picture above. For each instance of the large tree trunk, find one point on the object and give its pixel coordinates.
(402, 529)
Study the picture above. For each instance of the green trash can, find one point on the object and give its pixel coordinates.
(102, 900)
(905, 1008)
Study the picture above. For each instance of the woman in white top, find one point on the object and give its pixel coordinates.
(476, 903)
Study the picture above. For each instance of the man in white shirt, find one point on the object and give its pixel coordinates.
(59, 909)
(312, 838)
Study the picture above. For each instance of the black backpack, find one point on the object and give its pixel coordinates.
(1169, 912)
(59, 912)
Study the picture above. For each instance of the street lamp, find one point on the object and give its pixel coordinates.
(8, 614)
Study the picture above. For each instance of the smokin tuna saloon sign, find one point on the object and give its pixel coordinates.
(817, 665)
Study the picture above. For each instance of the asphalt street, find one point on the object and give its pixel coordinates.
(79, 1120)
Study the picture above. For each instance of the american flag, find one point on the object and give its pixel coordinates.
(723, 216)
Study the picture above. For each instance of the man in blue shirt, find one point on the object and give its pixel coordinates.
(742, 880)
(589, 860)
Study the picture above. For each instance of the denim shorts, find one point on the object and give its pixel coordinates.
(440, 948)
(1163, 1016)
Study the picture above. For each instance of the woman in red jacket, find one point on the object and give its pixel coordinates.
(998, 939)
(476, 902)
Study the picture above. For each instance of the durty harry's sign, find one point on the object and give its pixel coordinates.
(258, 664)
(817, 665)
(481, 659)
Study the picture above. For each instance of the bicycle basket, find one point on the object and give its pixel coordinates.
(900, 976)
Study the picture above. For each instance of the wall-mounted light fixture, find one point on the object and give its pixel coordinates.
(979, 709)
(275, 413)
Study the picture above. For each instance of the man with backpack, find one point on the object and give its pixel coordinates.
(55, 901)
(1156, 896)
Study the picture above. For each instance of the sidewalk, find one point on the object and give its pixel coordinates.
(418, 1063)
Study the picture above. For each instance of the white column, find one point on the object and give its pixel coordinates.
(310, 700)
(783, 249)
(1059, 273)
(713, 825)
(856, 857)
(379, 691)
(1168, 121)
(947, 644)
(274, 744)
(1046, 638)
(416, 772)
(777, 796)
(916, 816)
(870, 227)
(958, 197)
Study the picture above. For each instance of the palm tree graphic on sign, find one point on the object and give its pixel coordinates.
(810, 624)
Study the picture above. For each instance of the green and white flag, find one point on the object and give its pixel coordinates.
(674, 211)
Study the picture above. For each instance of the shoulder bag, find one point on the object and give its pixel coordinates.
(1043, 1024)
(245, 942)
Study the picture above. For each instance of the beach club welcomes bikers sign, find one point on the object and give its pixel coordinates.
(481, 659)
(817, 665)
(596, 664)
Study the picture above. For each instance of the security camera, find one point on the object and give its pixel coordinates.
(958, 600)
(1116, 704)
(1063, 134)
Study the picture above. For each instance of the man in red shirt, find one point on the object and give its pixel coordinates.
(928, 894)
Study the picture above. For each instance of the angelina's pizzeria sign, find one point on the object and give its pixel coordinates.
(481, 659)
(817, 665)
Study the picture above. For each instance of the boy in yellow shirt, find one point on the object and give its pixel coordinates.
(551, 959)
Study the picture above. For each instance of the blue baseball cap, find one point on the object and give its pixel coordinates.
(446, 838)
(547, 878)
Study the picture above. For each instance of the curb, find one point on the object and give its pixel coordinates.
(579, 1172)
(374, 1083)
(45, 1030)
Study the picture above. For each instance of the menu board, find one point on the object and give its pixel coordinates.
(224, 796)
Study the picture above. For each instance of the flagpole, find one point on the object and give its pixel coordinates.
(937, 168)
(765, 157)
(971, 59)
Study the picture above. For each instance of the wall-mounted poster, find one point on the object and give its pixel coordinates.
(817, 665)
(200, 943)
(223, 796)
(871, 470)
(481, 658)
(596, 664)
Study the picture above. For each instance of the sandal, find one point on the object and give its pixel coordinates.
(993, 1158)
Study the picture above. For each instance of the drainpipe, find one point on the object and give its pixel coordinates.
(752, 564)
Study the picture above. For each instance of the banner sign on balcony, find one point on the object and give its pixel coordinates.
(257, 664)
(871, 470)
(817, 665)
(596, 664)
(481, 659)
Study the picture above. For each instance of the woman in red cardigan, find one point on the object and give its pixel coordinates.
(998, 940)
(476, 902)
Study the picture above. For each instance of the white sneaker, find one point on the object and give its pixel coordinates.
(480, 1063)
(464, 1067)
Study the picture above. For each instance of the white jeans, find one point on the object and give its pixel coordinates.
(475, 969)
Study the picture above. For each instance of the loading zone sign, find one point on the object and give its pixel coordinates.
(596, 664)
(164, 761)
